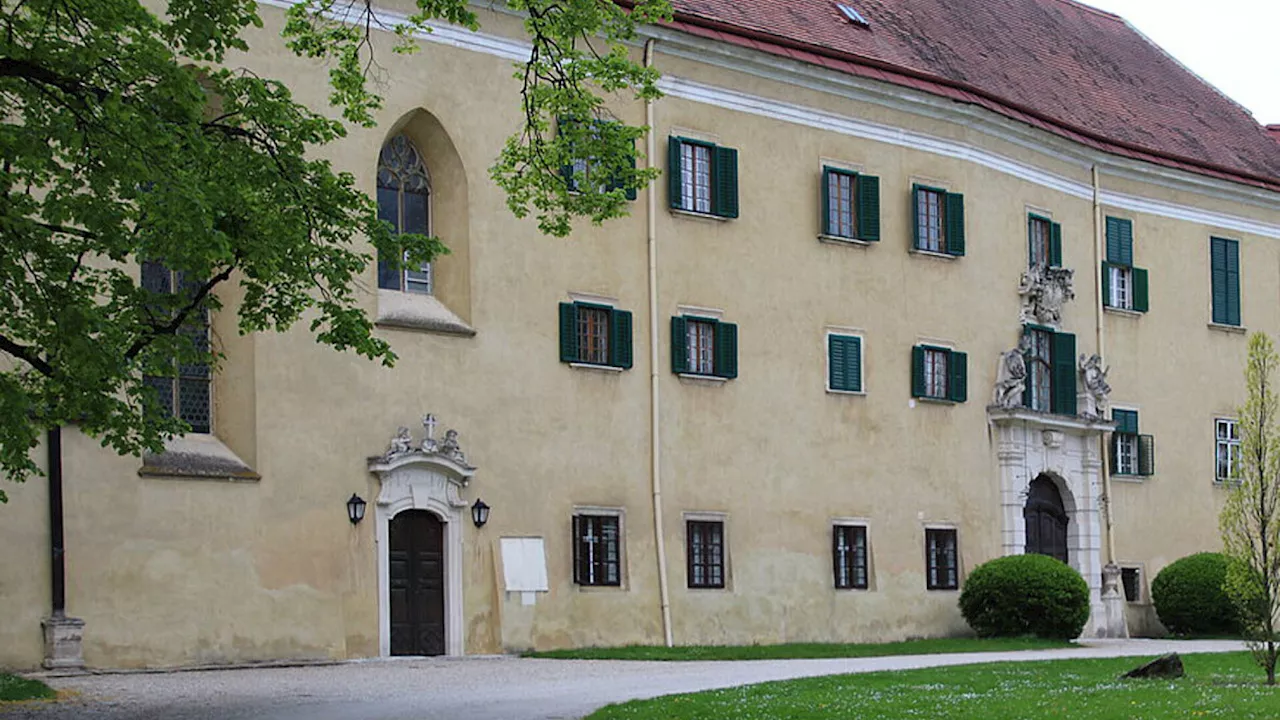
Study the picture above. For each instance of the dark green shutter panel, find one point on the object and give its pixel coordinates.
(1126, 421)
(837, 357)
(679, 345)
(1119, 241)
(958, 365)
(1055, 244)
(1146, 455)
(1106, 284)
(1126, 243)
(1218, 278)
(1139, 289)
(675, 181)
(955, 224)
(1063, 395)
(631, 192)
(1233, 282)
(620, 339)
(868, 207)
(726, 350)
(566, 170)
(917, 197)
(853, 364)
(568, 333)
(724, 176)
(825, 224)
(1113, 461)
(917, 371)
(578, 575)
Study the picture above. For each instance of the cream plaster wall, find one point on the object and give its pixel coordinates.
(176, 572)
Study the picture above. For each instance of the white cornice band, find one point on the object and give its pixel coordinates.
(911, 101)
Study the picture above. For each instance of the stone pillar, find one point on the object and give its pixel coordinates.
(63, 643)
(1112, 622)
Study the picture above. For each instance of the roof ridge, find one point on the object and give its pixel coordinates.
(1092, 9)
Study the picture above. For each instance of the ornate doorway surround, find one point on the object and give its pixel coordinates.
(426, 476)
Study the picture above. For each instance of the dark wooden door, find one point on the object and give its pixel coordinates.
(1046, 520)
(417, 584)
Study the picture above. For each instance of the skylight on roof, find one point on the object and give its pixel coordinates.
(852, 13)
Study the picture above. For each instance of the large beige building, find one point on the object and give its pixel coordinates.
(835, 358)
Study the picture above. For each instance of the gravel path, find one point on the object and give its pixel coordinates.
(480, 688)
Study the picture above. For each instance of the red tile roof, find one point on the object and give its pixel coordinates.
(1055, 64)
(1274, 130)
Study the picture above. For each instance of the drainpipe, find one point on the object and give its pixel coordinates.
(655, 441)
(1099, 233)
(57, 561)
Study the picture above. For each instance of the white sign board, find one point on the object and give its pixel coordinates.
(524, 564)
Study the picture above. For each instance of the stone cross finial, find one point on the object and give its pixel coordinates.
(429, 423)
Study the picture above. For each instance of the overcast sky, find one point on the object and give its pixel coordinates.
(1233, 44)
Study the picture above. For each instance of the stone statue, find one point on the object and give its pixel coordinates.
(1096, 389)
(449, 448)
(400, 444)
(1011, 377)
(429, 434)
(1044, 290)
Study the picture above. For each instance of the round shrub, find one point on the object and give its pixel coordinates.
(1189, 598)
(1022, 595)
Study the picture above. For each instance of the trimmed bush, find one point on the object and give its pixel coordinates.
(1189, 597)
(1022, 595)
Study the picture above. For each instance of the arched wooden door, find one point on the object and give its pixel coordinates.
(417, 583)
(1046, 520)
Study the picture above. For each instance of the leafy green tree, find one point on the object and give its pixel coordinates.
(1250, 520)
(126, 136)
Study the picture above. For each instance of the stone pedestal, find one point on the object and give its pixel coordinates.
(1112, 623)
(63, 643)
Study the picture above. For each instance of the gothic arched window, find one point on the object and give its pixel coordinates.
(404, 200)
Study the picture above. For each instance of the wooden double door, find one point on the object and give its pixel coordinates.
(1046, 519)
(417, 583)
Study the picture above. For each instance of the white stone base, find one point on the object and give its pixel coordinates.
(63, 643)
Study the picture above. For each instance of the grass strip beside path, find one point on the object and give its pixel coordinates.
(1216, 686)
(13, 688)
(797, 651)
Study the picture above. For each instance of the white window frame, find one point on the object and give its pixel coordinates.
(925, 240)
(701, 357)
(1230, 444)
(1126, 454)
(937, 373)
(695, 177)
(1120, 282)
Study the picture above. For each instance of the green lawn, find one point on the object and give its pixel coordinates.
(802, 650)
(13, 688)
(1216, 686)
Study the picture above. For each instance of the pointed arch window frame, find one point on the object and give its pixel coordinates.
(402, 176)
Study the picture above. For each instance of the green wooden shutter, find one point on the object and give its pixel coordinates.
(958, 365)
(679, 345)
(1055, 244)
(579, 575)
(1139, 277)
(568, 333)
(867, 202)
(620, 339)
(917, 372)
(844, 362)
(1119, 241)
(1146, 455)
(1106, 284)
(853, 364)
(1063, 379)
(726, 350)
(917, 197)
(1224, 259)
(675, 179)
(1126, 243)
(724, 179)
(955, 224)
(1126, 421)
(826, 201)
(1233, 282)
(1113, 454)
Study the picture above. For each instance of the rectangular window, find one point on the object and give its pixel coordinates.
(1040, 370)
(1051, 370)
(1119, 279)
(597, 556)
(939, 373)
(706, 553)
(844, 363)
(939, 220)
(1132, 454)
(850, 205)
(703, 177)
(840, 203)
(1044, 241)
(595, 335)
(184, 390)
(849, 555)
(1130, 578)
(1123, 286)
(704, 346)
(943, 567)
(586, 172)
(1224, 260)
(1227, 455)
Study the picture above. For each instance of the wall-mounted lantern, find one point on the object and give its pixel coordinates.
(355, 508)
(479, 513)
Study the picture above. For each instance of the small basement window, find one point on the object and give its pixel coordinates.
(853, 15)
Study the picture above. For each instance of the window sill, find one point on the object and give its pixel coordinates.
(700, 215)
(706, 378)
(1229, 329)
(708, 588)
(932, 254)
(594, 366)
(841, 240)
(935, 400)
(197, 457)
(600, 588)
(413, 311)
(1132, 479)
(954, 589)
(856, 393)
(1227, 485)
(1122, 312)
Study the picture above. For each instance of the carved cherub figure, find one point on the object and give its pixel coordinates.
(401, 443)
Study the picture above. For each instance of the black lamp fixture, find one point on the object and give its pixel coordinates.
(479, 513)
(355, 508)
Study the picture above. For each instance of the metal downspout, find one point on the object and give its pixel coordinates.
(1099, 232)
(655, 441)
